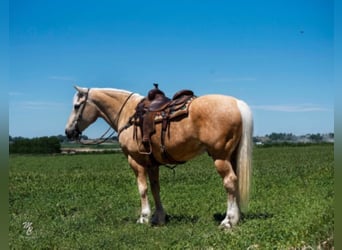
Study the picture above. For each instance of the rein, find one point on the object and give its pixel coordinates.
(123, 105)
(102, 139)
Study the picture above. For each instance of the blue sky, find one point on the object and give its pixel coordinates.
(276, 55)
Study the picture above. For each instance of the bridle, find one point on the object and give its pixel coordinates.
(80, 112)
(79, 117)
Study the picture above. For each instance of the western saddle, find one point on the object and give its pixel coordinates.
(156, 107)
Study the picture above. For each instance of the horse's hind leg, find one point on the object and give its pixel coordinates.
(158, 217)
(224, 168)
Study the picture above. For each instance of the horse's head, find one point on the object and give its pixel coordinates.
(82, 115)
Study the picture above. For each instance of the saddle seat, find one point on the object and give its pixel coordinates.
(162, 102)
(159, 103)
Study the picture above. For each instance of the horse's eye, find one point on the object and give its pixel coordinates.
(77, 106)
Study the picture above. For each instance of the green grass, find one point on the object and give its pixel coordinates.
(92, 202)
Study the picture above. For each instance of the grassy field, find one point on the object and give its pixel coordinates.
(92, 202)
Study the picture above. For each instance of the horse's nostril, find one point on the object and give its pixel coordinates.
(68, 134)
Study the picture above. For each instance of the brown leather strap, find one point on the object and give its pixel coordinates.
(166, 156)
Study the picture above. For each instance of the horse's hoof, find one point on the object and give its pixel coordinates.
(143, 220)
(158, 219)
(225, 226)
(229, 222)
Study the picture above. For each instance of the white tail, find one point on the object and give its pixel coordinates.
(244, 155)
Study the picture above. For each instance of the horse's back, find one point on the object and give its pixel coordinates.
(212, 121)
(216, 108)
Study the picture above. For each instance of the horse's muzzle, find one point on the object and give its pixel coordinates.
(72, 134)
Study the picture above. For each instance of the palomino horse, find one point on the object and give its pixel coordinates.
(220, 125)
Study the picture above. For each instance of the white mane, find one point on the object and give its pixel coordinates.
(117, 90)
(106, 89)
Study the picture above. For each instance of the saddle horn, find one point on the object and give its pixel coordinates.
(154, 92)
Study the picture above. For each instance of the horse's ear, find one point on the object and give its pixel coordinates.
(80, 90)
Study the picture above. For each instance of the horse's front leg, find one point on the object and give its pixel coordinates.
(159, 214)
(141, 174)
(229, 178)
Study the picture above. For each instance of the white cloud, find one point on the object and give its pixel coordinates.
(15, 93)
(41, 105)
(291, 108)
(62, 78)
(235, 79)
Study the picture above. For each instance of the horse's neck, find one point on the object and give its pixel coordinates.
(111, 102)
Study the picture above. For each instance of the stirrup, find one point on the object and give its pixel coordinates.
(147, 152)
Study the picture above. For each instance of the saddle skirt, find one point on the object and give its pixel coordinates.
(177, 111)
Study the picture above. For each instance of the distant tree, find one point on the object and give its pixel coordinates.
(316, 137)
(41, 145)
(17, 138)
(281, 137)
(84, 137)
(62, 138)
